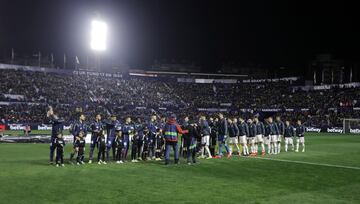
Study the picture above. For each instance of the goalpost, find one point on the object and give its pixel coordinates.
(351, 125)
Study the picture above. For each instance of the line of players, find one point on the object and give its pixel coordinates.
(148, 141)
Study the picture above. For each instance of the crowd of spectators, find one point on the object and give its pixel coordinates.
(26, 96)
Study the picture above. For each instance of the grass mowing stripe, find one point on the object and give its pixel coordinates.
(309, 163)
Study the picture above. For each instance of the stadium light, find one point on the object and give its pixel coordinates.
(98, 35)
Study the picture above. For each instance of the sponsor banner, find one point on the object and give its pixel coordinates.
(325, 129)
(270, 80)
(334, 130)
(48, 127)
(355, 131)
(313, 129)
(210, 81)
(213, 109)
(58, 71)
(34, 69)
(142, 74)
(14, 96)
(102, 74)
(44, 127)
(186, 80)
(245, 110)
(225, 104)
(329, 86)
(69, 138)
(271, 110)
(16, 126)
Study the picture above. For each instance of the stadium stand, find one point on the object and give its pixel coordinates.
(26, 95)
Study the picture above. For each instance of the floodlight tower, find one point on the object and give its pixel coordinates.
(98, 39)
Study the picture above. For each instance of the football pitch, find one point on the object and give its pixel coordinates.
(328, 172)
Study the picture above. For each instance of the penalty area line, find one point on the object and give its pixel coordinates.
(309, 163)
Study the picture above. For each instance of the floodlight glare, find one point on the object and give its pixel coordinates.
(98, 35)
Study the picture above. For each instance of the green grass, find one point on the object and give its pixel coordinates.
(25, 177)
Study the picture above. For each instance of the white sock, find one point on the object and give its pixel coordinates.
(202, 151)
(279, 147)
(286, 147)
(237, 148)
(262, 147)
(208, 151)
(297, 146)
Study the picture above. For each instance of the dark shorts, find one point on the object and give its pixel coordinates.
(221, 138)
(93, 142)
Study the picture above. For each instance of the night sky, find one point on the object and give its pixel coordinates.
(271, 33)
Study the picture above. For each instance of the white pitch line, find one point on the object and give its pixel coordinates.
(310, 163)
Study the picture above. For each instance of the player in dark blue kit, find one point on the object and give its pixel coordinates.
(57, 127)
(222, 134)
(101, 144)
(281, 129)
(252, 137)
(273, 131)
(60, 144)
(153, 127)
(145, 152)
(288, 135)
(110, 126)
(213, 134)
(96, 128)
(244, 133)
(185, 126)
(139, 132)
(300, 132)
(77, 127)
(260, 132)
(128, 133)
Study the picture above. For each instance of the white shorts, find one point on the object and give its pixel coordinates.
(233, 140)
(267, 140)
(301, 140)
(251, 140)
(259, 139)
(205, 140)
(242, 139)
(273, 138)
(288, 140)
(279, 138)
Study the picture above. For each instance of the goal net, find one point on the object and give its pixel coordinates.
(351, 125)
